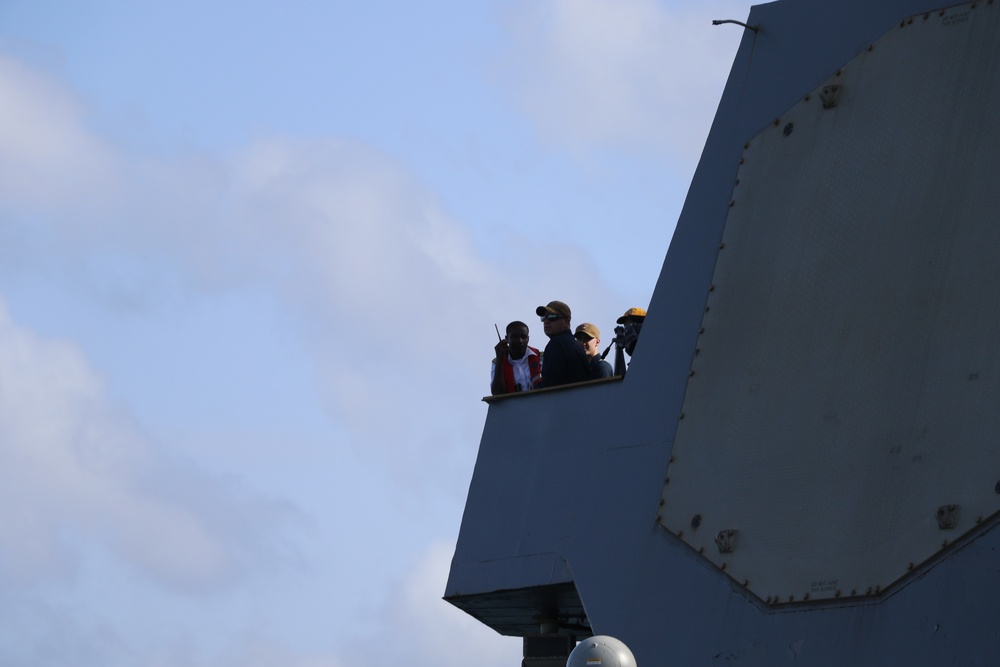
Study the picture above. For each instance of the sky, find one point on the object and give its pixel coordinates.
(251, 259)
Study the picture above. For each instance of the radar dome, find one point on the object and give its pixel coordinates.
(601, 651)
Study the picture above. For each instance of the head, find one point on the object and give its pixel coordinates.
(633, 316)
(631, 323)
(555, 317)
(517, 339)
(589, 338)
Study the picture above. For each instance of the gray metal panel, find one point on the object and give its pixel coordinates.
(847, 373)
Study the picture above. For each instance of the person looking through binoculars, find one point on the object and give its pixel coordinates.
(626, 336)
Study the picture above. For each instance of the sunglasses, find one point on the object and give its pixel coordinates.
(551, 317)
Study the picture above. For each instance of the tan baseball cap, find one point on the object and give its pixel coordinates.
(556, 307)
(588, 329)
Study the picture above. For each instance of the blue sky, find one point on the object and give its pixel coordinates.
(252, 255)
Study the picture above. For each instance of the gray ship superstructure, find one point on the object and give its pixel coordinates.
(802, 464)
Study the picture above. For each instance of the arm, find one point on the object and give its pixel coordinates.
(497, 383)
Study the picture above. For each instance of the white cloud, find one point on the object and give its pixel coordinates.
(73, 466)
(429, 630)
(349, 222)
(641, 74)
(46, 153)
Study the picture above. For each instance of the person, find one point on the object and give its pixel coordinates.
(631, 323)
(589, 337)
(565, 361)
(520, 365)
(627, 335)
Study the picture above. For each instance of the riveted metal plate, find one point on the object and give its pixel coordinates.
(848, 377)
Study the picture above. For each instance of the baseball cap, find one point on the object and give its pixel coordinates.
(588, 329)
(634, 313)
(557, 307)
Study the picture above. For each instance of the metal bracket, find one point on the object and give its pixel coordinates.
(726, 540)
(830, 95)
(947, 516)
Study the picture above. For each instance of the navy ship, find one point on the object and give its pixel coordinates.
(802, 464)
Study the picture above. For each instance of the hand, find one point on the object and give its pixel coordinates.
(502, 350)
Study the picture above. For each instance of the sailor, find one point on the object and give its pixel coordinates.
(631, 323)
(627, 335)
(565, 361)
(589, 337)
(521, 365)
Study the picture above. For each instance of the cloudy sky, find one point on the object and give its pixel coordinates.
(251, 259)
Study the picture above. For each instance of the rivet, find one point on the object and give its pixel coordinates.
(871, 47)
(732, 203)
(661, 502)
(944, 543)
(737, 182)
(697, 351)
(836, 593)
(979, 519)
(909, 566)
(791, 598)
(878, 588)
(806, 98)
(997, 488)
(666, 481)
(838, 72)
(681, 416)
(777, 121)
(854, 591)
(805, 597)
(680, 533)
(711, 288)
(746, 145)
(696, 521)
(746, 582)
(926, 16)
(691, 374)
(869, 591)
(671, 459)
(721, 246)
(701, 550)
(723, 566)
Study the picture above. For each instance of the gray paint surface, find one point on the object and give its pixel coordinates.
(554, 502)
(849, 340)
